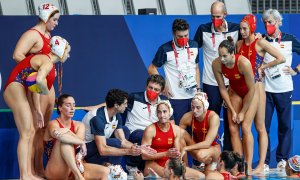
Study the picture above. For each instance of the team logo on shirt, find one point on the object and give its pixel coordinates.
(170, 140)
(113, 126)
(281, 45)
(237, 76)
(158, 139)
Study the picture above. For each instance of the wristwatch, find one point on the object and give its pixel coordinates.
(296, 70)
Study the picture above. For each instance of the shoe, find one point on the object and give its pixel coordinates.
(131, 170)
(281, 165)
(266, 168)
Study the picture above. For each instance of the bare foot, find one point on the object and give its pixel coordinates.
(259, 170)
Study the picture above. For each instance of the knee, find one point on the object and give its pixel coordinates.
(203, 157)
(246, 128)
(233, 130)
(28, 134)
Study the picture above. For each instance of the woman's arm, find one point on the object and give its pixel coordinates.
(186, 120)
(245, 68)
(267, 47)
(24, 45)
(44, 68)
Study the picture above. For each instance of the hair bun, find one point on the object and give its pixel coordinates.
(229, 38)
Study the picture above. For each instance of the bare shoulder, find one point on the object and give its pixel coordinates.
(187, 118)
(213, 115)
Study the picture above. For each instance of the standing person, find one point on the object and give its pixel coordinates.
(238, 97)
(62, 136)
(255, 50)
(15, 97)
(37, 41)
(106, 139)
(209, 36)
(164, 137)
(205, 125)
(279, 85)
(179, 58)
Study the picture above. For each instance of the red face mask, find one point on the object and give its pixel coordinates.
(182, 42)
(217, 22)
(151, 95)
(271, 28)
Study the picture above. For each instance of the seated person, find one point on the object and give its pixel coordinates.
(164, 137)
(292, 167)
(228, 160)
(101, 124)
(141, 112)
(205, 125)
(62, 136)
(173, 170)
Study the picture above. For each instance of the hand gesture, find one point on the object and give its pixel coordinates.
(135, 150)
(234, 116)
(39, 119)
(166, 92)
(183, 152)
(173, 153)
(59, 132)
(146, 149)
(288, 70)
(83, 150)
(240, 117)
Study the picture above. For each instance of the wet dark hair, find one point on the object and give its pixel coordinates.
(180, 25)
(228, 44)
(115, 96)
(178, 167)
(240, 162)
(156, 78)
(60, 101)
(229, 159)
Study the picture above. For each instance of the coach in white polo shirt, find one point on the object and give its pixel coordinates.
(141, 112)
(209, 36)
(179, 58)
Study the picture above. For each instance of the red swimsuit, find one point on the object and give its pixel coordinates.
(162, 142)
(200, 129)
(236, 79)
(23, 69)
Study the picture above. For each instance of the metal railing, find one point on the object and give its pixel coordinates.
(283, 6)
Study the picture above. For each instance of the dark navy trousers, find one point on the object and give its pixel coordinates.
(136, 161)
(283, 104)
(215, 104)
(180, 107)
(94, 157)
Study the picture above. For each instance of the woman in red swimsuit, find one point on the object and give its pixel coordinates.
(164, 137)
(63, 135)
(205, 125)
(255, 50)
(240, 98)
(15, 97)
(37, 41)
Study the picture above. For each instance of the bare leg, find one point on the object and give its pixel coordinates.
(94, 171)
(260, 128)
(248, 142)
(67, 152)
(234, 127)
(16, 99)
(156, 168)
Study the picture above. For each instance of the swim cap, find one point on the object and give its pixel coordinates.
(58, 45)
(45, 11)
(202, 96)
(167, 103)
(294, 163)
(250, 19)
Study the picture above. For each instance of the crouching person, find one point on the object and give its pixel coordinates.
(63, 135)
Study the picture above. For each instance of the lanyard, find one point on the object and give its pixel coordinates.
(176, 54)
(213, 39)
(149, 111)
(279, 38)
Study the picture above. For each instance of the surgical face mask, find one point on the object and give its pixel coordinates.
(151, 95)
(182, 42)
(217, 22)
(271, 28)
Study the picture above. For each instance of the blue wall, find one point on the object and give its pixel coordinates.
(108, 52)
